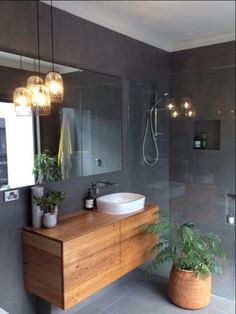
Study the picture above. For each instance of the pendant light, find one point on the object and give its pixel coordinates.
(54, 80)
(170, 104)
(41, 100)
(186, 108)
(186, 103)
(22, 98)
(175, 113)
(40, 93)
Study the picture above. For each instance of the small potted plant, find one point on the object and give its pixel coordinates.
(49, 204)
(194, 256)
(45, 169)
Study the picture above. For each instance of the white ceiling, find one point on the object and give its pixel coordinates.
(170, 25)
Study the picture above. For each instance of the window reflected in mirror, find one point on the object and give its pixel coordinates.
(16, 148)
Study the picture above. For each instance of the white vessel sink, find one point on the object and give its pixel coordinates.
(120, 203)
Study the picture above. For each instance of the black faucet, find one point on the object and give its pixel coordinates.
(100, 183)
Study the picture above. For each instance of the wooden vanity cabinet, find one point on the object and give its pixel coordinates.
(84, 253)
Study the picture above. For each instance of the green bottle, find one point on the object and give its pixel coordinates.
(204, 140)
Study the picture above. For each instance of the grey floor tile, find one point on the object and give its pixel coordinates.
(117, 293)
(147, 299)
(151, 298)
(90, 309)
(218, 305)
(224, 305)
(133, 295)
(22, 305)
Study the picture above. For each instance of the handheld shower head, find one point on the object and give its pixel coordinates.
(156, 100)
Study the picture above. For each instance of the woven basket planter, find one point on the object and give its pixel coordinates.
(188, 291)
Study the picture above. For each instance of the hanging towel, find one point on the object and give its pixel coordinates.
(65, 149)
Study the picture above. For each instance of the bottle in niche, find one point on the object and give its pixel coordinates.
(204, 140)
(196, 142)
(89, 201)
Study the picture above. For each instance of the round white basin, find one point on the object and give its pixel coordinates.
(120, 203)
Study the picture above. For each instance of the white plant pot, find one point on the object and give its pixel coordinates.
(37, 215)
(49, 220)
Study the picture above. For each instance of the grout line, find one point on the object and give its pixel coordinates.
(101, 308)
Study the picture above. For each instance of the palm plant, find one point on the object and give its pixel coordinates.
(185, 246)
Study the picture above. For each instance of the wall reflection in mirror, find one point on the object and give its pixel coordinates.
(84, 132)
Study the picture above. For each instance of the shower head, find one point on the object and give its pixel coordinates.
(157, 100)
(165, 94)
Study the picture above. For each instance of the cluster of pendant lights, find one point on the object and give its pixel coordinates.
(187, 108)
(38, 93)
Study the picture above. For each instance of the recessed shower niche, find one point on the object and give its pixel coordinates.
(212, 129)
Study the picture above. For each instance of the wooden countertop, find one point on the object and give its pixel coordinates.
(82, 222)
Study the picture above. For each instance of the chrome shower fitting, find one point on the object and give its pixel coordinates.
(154, 130)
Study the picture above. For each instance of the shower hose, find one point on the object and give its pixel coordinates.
(149, 120)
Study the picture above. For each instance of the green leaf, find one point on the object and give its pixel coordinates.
(185, 246)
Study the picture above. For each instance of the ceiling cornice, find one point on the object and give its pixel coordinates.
(204, 41)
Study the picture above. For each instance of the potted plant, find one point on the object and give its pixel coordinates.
(46, 168)
(49, 204)
(194, 256)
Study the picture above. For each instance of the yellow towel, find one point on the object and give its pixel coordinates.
(65, 149)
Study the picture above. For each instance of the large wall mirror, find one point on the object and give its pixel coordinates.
(84, 131)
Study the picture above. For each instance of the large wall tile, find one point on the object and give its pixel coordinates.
(201, 179)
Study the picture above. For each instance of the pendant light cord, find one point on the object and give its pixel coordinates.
(21, 71)
(52, 37)
(38, 35)
(34, 67)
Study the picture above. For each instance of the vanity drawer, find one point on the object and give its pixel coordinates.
(90, 262)
(135, 243)
(42, 258)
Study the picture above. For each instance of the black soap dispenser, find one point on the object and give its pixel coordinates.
(89, 201)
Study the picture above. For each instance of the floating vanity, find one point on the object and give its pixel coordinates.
(84, 253)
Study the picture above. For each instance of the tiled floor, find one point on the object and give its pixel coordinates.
(135, 296)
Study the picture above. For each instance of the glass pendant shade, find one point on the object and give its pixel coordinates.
(170, 104)
(54, 82)
(175, 113)
(22, 101)
(41, 99)
(190, 113)
(32, 81)
(186, 103)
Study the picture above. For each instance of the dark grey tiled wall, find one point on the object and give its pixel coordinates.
(152, 181)
(82, 44)
(201, 179)
(86, 45)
